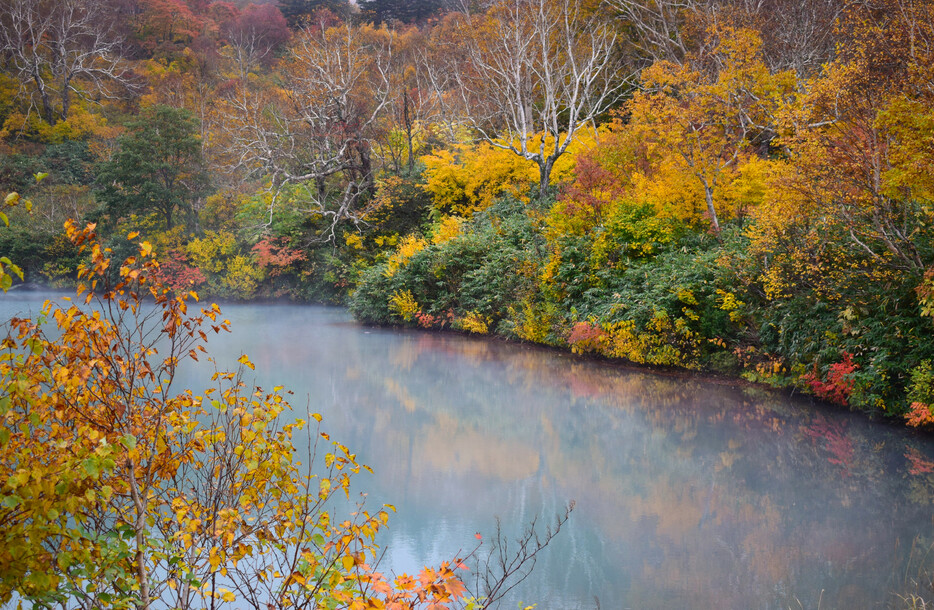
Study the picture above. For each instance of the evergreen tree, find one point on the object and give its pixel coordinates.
(158, 168)
(296, 11)
(404, 11)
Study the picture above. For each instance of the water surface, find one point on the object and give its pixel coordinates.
(689, 494)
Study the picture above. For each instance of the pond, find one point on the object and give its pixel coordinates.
(689, 493)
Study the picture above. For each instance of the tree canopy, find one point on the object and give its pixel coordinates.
(157, 168)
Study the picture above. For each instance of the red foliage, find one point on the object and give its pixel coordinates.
(223, 14)
(275, 256)
(261, 28)
(178, 274)
(590, 178)
(839, 383)
(920, 415)
(586, 336)
(426, 320)
(166, 26)
(917, 463)
(835, 441)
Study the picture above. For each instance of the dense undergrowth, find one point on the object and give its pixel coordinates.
(695, 302)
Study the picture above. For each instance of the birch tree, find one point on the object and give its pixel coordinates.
(59, 49)
(312, 132)
(535, 72)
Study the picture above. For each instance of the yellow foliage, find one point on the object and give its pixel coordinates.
(447, 229)
(403, 304)
(409, 247)
(229, 272)
(534, 321)
(670, 188)
(474, 322)
(386, 198)
(469, 178)
(354, 240)
(210, 252)
(80, 124)
(386, 240)
(242, 276)
(220, 210)
(663, 342)
(729, 303)
(746, 190)
(694, 126)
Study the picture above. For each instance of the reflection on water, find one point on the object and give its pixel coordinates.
(689, 494)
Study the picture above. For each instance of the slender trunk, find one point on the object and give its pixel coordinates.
(408, 129)
(139, 528)
(66, 101)
(708, 195)
(47, 109)
(545, 165)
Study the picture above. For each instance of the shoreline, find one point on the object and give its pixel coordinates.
(723, 379)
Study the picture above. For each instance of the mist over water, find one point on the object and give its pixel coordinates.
(689, 494)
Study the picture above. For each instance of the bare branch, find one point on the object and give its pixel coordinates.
(534, 72)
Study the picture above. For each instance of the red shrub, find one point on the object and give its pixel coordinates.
(839, 383)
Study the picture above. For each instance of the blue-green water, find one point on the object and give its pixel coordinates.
(689, 494)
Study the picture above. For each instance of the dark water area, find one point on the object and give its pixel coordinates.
(689, 494)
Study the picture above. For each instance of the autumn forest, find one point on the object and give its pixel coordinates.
(739, 187)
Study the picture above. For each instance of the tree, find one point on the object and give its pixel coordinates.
(537, 69)
(298, 12)
(796, 34)
(403, 11)
(314, 130)
(710, 122)
(410, 120)
(253, 37)
(60, 49)
(859, 144)
(163, 27)
(158, 167)
(120, 490)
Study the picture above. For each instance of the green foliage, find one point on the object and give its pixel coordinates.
(480, 272)
(879, 326)
(922, 384)
(399, 206)
(404, 11)
(633, 231)
(298, 12)
(31, 251)
(158, 167)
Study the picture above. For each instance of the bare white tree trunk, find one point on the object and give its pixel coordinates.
(61, 49)
(315, 133)
(535, 72)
